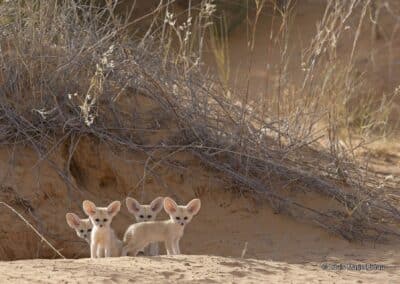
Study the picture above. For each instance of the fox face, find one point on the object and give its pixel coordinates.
(82, 227)
(144, 213)
(101, 217)
(181, 215)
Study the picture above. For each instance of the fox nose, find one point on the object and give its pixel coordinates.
(101, 226)
(85, 236)
(182, 224)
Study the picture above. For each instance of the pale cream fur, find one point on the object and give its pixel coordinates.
(139, 235)
(82, 227)
(146, 213)
(104, 242)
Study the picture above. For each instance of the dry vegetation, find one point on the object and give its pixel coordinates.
(65, 65)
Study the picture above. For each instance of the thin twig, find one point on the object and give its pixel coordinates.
(33, 228)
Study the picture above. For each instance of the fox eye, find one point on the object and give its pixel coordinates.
(141, 216)
(148, 216)
(185, 218)
(81, 231)
(178, 218)
(105, 219)
(97, 220)
(89, 230)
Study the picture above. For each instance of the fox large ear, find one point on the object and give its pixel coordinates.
(132, 204)
(72, 220)
(114, 207)
(170, 205)
(194, 206)
(89, 207)
(157, 204)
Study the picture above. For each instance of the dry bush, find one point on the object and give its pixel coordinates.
(65, 67)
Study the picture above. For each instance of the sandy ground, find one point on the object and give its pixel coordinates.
(184, 268)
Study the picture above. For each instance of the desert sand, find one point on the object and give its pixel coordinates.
(183, 268)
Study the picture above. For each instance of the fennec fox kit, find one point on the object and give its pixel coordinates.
(104, 241)
(82, 227)
(170, 231)
(145, 213)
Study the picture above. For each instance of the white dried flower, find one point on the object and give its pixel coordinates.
(72, 95)
(104, 61)
(175, 89)
(169, 19)
(209, 9)
(111, 64)
(187, 35)
(109, 51)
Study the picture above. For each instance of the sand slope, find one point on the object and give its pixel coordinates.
(183, 268)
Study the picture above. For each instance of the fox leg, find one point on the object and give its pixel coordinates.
(153, 249)
(176, 246)
(125, 250)
(100, 251)
(137, 248)
(169, 246)
(133, 249)
(93, 250)
(107, 251)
